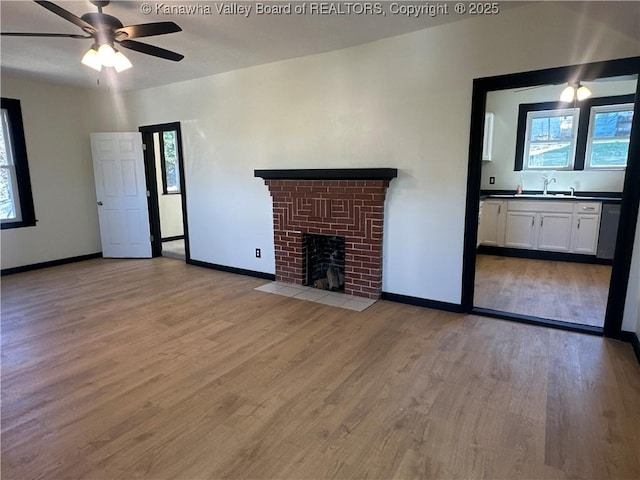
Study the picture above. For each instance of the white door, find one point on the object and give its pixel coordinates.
(121, 193)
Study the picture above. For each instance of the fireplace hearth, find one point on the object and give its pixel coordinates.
(333, 203)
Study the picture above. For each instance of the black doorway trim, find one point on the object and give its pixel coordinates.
(152, 185)
(531, 320)
(630, 197)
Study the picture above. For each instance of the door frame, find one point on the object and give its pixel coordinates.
(630, 196)
(147, 132)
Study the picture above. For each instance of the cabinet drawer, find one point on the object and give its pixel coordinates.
(539, 206)
(586, 207)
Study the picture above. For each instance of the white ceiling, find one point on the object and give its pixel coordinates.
(219, 43)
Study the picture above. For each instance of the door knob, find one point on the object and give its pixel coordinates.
(99, 203)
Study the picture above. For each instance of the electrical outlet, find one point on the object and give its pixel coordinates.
(492, 180)
(258, 253)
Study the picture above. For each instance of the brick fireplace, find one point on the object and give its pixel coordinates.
(347, 203)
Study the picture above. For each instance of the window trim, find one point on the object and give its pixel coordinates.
(163, 164)
(21, 166)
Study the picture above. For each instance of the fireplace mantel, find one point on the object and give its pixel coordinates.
(329, 174)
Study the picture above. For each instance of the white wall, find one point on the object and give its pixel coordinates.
(57, 131)
(170, 206)
(504, 105)
(401, 102)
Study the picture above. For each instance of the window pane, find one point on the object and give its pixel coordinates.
(7, 201)
(546, 155)
(612, 124)
(4, 151)
(551, 128)
(7, 205)
(609, 153)
(171, 161)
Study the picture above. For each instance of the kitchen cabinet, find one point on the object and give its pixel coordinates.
(553, 226)
(520, 230)
(554, 233)
(585, 229)
(568, 226)
(492, 223)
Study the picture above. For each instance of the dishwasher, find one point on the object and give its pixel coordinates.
(609, 219)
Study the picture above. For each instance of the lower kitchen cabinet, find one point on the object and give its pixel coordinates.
(585, 234)
(554, 226)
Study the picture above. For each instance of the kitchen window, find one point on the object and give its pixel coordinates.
(16, 202)
(593, 135)
(551, 139)
(608, 138)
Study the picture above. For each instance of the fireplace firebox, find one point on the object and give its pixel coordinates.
(323, 261)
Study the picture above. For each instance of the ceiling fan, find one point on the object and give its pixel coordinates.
(107, 31)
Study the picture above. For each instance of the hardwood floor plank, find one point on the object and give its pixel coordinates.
(156, 369)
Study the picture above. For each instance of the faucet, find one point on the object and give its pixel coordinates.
(573, 191)
(547, 181)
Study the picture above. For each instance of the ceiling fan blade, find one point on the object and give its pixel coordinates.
(70, 17)
(61, 35)
(148, 29)
(151, 50)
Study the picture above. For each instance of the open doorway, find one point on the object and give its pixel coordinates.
(164, 167)
(538, 271)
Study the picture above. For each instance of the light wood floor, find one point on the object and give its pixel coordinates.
(123, 369)
(572, 292)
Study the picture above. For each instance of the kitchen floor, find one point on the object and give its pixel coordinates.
(571, 292)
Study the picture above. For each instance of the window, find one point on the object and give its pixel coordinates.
(609, 135)
(551, 139)
(16, 202)
(169, 162)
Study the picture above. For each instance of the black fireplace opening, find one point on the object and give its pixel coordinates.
(324, 261)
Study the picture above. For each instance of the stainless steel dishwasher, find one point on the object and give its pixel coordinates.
(609, 219)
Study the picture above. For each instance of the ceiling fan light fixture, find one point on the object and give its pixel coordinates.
(568, 94)
(121, 62)
(582, 92)
(92, 60)
(107, 55)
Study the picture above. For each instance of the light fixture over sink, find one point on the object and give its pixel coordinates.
(575, 92)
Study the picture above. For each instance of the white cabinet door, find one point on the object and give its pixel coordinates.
(555, 232)
(585, 234)
(492, 223)
(520, 230)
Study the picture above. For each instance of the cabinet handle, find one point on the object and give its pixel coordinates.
(499, 209)
(533, 221)
(579, 222)
(588, 208)
(541, 221)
